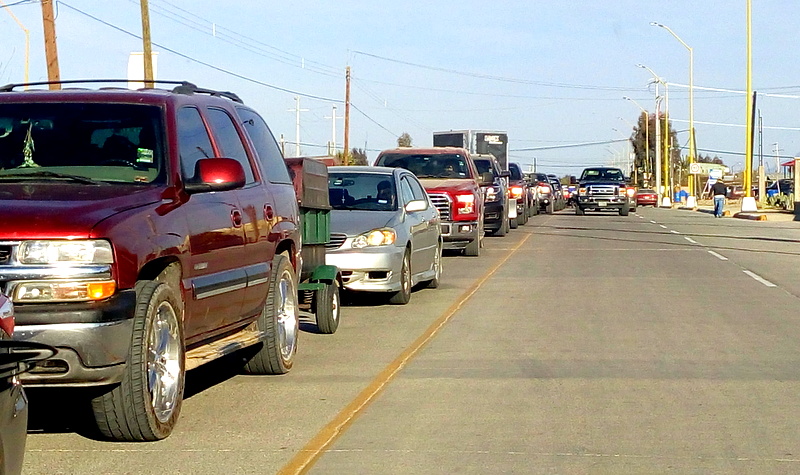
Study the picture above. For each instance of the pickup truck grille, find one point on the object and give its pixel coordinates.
(602, 190)
(442, 203)
(337, 239)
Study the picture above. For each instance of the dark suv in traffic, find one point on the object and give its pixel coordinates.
(143, 234)
(495, 195)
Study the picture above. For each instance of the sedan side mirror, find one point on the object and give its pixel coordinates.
(416, 205)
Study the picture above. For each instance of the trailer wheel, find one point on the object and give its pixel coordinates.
(328, 308)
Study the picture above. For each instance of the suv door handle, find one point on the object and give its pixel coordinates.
(236, 218)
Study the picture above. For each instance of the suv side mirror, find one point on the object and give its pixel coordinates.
(215, 174)
(486, 179)
(505, 174)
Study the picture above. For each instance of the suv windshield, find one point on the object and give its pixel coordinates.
(438, 165)
(362, 191)
(97, 142)
(602, 174)
(484, 166)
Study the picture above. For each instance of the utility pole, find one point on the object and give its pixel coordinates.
(297, 110)
(333, 118)
(148, 48)
(761, 178)
(50, 50)
(347, 118)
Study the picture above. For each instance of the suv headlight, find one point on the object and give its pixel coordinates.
(65, 252)
(376, 237)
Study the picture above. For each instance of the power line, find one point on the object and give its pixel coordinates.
(490, 77)
(553, 147)
(209, 65)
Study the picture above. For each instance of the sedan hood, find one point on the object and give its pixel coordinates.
(355, 222)
(35, 211)
(442, 185)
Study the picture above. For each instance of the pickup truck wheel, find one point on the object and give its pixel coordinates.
(327, 306)
(624, 211)
(501, 231)
(146, 403)
(550, 208)
(404, 294)
(437, 269)
(279, 322)
(579, 211)
(514, 223)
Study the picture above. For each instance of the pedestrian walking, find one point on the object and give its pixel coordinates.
(719, 191)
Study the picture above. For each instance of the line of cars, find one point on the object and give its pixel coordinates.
(391, 222)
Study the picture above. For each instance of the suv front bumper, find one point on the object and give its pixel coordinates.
(93, 340)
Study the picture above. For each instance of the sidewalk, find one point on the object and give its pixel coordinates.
(732, 210)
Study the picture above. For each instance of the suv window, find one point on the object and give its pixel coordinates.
(269, 154)
(437, 165)
(193, 140)
(484, 166)
(229, 142)
(104, 142)
(516, 174)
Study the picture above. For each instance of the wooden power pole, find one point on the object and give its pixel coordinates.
(347, 118)
(148, 48)
(51, 52)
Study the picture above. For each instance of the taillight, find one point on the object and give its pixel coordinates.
(544, 188)
(516, 192)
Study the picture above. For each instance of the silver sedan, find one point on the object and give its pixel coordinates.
(385, 233)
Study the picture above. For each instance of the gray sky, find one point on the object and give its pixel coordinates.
(550, 73)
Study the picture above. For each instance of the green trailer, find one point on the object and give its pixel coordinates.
(319, 283)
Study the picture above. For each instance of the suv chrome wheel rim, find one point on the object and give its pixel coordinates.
(287, 316)
(164, 375)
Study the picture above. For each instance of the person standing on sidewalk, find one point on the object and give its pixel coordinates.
(719, 191)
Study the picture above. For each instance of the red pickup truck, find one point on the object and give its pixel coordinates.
(452, 181)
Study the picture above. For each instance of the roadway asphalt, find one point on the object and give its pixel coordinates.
(661, 342)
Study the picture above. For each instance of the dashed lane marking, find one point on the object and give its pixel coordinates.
(663, 226)
(673, 231)
(690, 239)
(759, 278)
(718, 256)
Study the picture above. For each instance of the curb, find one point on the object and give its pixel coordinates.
(750, 216)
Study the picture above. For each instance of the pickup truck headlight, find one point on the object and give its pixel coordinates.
(376, 237)
(492, 194)
(65, 252)
(465, 204)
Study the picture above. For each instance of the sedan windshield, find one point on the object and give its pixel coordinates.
(86, 143)
(437, 165)
(362, 191)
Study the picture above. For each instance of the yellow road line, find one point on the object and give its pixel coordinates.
(308, 455)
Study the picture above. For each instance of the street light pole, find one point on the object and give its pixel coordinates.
(646, 132)
(692, 200)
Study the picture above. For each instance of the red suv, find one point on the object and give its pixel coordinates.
(144, 233)
(452, 181)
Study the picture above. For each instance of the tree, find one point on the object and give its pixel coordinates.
(358, 157)
(404, 140)
(644, 142)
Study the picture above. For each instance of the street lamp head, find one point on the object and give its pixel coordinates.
(655, 23)
(626, 98)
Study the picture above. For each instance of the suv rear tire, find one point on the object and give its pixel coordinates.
(279, 321)
(145, 405)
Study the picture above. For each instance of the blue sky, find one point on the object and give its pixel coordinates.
(550, 73)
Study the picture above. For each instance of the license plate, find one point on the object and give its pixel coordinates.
(602, 203)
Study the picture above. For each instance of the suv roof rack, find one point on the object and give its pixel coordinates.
(182, 87)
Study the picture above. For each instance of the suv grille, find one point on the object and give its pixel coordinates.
(337, 239)
(5, 254)
(442, 203)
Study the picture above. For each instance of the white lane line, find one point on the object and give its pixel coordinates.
(652, 221)
(673, 231)
(759, 278)
(718, 256)
(663, 226)
(690, 239)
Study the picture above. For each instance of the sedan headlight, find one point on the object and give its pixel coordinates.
(376, 237)
(65, 252)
